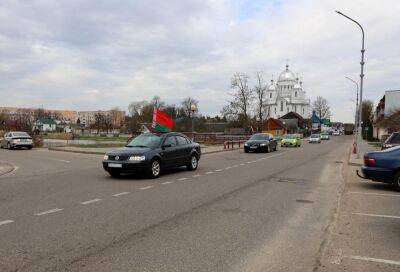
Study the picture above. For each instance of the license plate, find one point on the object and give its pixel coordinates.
(115, 165)
(253, 147)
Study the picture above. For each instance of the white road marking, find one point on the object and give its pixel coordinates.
(228, 167)
(210, 172)
(218, 170)
(120, 194)
(377, 194)
(242, 164)
(373, 260)
(378, 215)
(91, 201)
(182, 179)
(54, 159)
(247, 162)
(147, 187)
(48, 212)
(233, 166)
(255, 161)
(167, 182)
(5, 222)
(196, 176)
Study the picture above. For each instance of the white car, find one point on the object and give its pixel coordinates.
(336, 133)
(314, 138)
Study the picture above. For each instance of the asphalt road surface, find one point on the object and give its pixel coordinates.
(238, 212)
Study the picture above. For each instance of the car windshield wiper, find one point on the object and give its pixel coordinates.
(137, 145)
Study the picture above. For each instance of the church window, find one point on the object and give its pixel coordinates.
(295, 94)
(275, 110)
(303, 110)
(281, 105)
(270, 95)
(295, 108)
(287, 110)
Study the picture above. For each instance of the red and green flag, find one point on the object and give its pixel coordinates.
(161, 121)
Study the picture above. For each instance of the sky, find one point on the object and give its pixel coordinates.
(90, 55)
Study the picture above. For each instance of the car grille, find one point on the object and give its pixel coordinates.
(118, 158)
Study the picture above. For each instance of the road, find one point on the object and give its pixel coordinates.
(238, 212)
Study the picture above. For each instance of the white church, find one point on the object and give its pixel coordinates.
(286, 95)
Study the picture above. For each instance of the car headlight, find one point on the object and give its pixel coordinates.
(246, 144)
(137, 158)
(263, 144)
(105, 157)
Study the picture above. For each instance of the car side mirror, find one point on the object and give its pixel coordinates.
(166, 146)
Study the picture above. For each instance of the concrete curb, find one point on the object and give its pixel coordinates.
(6, 168)
(102, 153)
(349, 160)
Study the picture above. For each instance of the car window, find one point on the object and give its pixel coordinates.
(20, 134)
(259, 137)
(170, 141)
(394, 139)
(145, 140)
(181, 140)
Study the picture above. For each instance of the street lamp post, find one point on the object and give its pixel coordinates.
(361, 80)
(193, 109)
(356, 117)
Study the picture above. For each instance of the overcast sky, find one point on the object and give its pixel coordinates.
(89, 55)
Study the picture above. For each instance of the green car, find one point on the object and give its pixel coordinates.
(291, 140)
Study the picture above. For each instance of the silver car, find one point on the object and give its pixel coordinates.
(16, 139)
(314, 138)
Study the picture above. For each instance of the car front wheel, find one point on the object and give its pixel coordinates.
(154, 170)
(194, 162)
(396, 181)
(114, 173)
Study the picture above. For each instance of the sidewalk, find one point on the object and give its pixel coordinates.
(102, 150)
(364, 148)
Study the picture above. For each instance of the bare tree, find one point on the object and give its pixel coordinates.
(115, 118)
(135, 108)
(322, 108)
(260, 91)
(98, 121)
(156, 102)
(239, 107)
(187, 106)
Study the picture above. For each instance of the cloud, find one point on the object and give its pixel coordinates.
(101, 54)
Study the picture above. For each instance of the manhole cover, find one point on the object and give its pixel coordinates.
(304, 201)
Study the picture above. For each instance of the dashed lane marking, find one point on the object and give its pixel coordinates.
(208, 173)
(227, 168)
(247, 162)
(91, 201)
(48, 212)
(368, 259)
(196, 176)
(5, 222)
(182, 179)
(241, 164)
(120, 194)
(377, 215)
(218, 170)
(167, 182)
(377, 194)
(147, 187)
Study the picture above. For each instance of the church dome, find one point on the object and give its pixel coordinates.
(287, 75)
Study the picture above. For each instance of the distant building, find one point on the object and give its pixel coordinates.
(274, 126)
(388, 105)
(87, 118)
(63, 115)
(45, 125)
(287, 95)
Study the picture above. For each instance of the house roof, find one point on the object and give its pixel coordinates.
(46, 121)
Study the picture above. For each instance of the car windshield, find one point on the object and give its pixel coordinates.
(314, 136)
(145, 140)
(259, 137)
(289, 136)
(394, 139)
(20, 134)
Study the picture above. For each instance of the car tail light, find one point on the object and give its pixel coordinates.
(369, 161)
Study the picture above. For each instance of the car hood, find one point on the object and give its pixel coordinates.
(256, 141)
(129, 151)
(289, 140)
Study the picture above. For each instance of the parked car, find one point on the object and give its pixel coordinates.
(383, 166)
(314, 138)
(393, 140)
(16, 139)
(261, 142)
(153, 153)
(291, 140)
(325, 136)
(336, 133)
